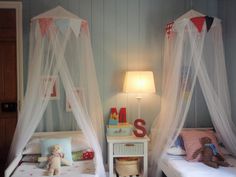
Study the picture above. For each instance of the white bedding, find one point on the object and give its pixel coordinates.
(86, 168)
(177, 166)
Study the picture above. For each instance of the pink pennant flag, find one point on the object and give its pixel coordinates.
(169, 29)
(84, 26)
(44, 24)
(198, 22)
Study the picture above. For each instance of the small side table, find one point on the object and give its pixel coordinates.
(127, 146)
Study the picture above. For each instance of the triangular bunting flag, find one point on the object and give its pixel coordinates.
(169, 29)
(62, 24)
(75, 25)
(209, 22)
(84, 26)
(198, 22)
(44, 24)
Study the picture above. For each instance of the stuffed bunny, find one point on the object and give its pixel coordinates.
(55, 160)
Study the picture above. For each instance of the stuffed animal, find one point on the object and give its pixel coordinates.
(55, 160)
(210, 154)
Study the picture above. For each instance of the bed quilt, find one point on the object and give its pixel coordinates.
(85, 168)
(177, 166)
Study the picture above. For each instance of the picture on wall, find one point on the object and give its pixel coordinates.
(68, 106)
(55, 93)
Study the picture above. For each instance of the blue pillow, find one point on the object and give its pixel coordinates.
(179, 142)
(65, 143)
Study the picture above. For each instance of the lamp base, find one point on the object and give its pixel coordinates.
(139, 105)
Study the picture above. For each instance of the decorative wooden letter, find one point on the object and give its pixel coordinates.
(140, 129)
(122, 115)
(113, 120)
(114, 111)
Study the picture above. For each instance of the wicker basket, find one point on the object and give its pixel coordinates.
(127, 166)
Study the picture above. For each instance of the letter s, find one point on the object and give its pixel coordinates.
(140, 130)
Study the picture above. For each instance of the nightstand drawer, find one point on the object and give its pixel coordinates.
(128, 149)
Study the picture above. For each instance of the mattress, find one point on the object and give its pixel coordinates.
(85, 168)
(177, 166)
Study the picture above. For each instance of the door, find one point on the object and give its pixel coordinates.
(8, 82)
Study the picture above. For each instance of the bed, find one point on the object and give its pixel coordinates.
(21, 168)
(178, 160)
(177, 166)
(80, 167)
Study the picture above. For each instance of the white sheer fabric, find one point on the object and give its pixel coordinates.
(190, 55)
(60, 48)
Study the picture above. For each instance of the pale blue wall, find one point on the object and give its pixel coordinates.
(227, 13)
(127, 35)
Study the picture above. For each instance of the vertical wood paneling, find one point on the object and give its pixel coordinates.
(64, 4)
(144, 45)
(73, 7)
(26, 25)
(98, 41)
(200, 5)
(133, 34)
(85, 10)
(206, 7)
(121, 51)
(227, 14)
(212, 8)
(39, 6)
(191, 121)
(198, 115)
(110, 55)
(133, 41)
(202, 115)
(126, 35)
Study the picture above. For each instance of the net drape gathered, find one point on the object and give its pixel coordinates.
(190, 54)
(60, 52)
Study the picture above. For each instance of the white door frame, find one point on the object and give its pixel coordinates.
(17, 5)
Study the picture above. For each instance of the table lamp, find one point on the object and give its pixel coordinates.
(139, 82)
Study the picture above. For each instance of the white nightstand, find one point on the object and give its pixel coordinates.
(128, 146)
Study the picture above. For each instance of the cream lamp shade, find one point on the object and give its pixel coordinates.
(139, 82)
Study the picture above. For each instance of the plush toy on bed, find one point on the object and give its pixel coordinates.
(55, 160)
(210, 154)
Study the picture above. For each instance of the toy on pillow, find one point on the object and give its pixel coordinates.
(87, 154)
(55, 159)
(210, 154)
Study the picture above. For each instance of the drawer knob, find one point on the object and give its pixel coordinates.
(129, 144)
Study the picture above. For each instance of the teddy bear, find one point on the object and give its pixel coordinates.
(55, 159)
(210, 154)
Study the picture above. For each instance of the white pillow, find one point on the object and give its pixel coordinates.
(176, 151)
(32, 147)
(78, 143)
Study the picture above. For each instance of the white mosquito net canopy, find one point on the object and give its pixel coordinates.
(193, 50)
(61, 78)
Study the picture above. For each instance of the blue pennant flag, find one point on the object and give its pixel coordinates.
(62, 24)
